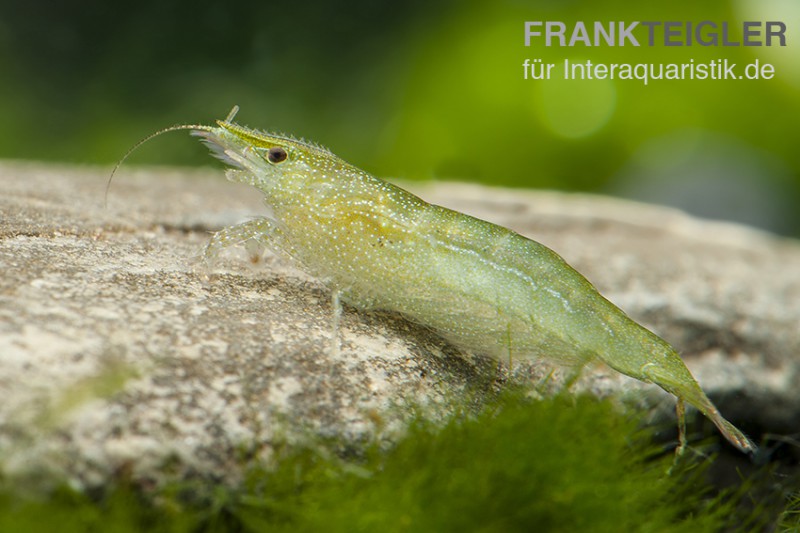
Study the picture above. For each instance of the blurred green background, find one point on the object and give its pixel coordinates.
(416, 90)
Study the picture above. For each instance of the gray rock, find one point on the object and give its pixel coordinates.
(118, 352)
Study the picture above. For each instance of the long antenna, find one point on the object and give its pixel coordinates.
(156, 134)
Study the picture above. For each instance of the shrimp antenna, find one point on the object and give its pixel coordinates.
(156, 134)
(176, 127)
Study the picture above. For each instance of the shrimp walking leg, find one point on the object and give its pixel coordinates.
(255, 234)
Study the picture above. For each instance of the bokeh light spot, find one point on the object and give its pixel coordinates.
(574, 108)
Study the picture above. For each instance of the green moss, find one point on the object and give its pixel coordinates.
(517, 467)
(790, 519)
(554, 465)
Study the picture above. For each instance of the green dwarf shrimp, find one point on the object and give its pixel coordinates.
(481, 286)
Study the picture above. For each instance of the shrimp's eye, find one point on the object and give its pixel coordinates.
(276, 154)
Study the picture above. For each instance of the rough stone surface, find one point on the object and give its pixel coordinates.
(118, 352)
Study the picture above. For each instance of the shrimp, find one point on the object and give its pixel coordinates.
(481, 286)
